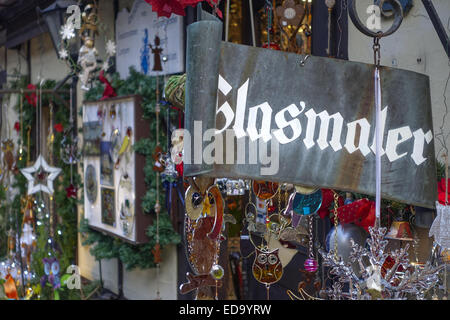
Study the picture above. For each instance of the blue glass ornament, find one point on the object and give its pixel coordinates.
(306, 204)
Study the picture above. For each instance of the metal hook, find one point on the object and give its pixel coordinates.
(303, 61)
(398, 18)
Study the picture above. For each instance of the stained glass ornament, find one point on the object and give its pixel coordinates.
(265, 190)
(306, 204)
(267, 267)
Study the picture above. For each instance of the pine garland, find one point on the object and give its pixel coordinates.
(104, 246)
(65, 208)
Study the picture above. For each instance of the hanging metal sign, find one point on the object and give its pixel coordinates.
(269, 115)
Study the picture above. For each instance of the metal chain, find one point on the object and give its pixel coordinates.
(376, 52)
(311, 236)
(336, 205)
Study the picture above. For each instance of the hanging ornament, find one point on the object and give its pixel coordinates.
(125, 147)
(311, 264)
(443, 198)
(345, 232)
(87, 58)
(10, 288)
(306, 201)
(265, 190)
(203, 225)
(360, 212)
(290, 13)
(440, 228)
(69, 148)
(9, 159)
(109, 91)
(110, 48)
(91, 185)
(71, 191)
(267, 268)
(156, 50)
(51, 270)
(165, 8)
(45, 173)
(372, 284)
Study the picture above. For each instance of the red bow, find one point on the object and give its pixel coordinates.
(360, 212)
(33, 98)
(441, 191)
(17, 126)
(109, 90)
(165, 8)
(58, 127)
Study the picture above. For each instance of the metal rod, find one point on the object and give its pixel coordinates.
(252, 22)
(7, 91)
(437, 25)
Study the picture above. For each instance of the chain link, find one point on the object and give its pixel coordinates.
(336, 205)
(310, 231)
(376, 52)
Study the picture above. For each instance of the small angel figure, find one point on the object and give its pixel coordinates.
(87, 61)
(157, 66)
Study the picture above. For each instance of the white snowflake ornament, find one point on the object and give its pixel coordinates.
(67, 31)
(110, 48)
(63, 54)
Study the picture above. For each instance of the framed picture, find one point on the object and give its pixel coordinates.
(115, 173)
(92, 132)
(108, 207)
(106, 165)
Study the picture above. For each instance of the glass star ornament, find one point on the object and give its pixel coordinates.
(67, 31)
(40, 171)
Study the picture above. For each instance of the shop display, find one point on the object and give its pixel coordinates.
(118, 182)
(281, 170)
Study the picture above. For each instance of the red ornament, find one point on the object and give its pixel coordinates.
(58, 127)
(165, 8)
(33, 98)
(360, 212)
(273, 46)
(327, 201)
(109, 90)
(215, 4)
(180, 169)
(17, 126)
(441, 191)
(71, 192)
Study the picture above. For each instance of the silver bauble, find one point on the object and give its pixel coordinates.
(345, 233)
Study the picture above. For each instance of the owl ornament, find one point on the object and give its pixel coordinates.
(51, 270)
(267, 268)
(203, 232)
